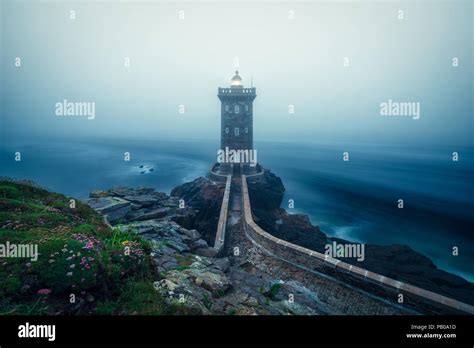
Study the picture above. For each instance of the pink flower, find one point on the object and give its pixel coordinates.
(44, 291)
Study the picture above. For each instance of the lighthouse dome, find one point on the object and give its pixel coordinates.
(236, 80)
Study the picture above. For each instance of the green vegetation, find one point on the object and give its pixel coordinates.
(139, 297)
(206, 301)
(108, 271)
(273, 292)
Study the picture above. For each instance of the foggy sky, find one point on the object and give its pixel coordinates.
(296, 62)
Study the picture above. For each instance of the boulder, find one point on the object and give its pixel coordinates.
(205, 197)
(151, 214)
(105, 205)
(143, 200)
(216, 282)
(200, 243)
(207, 252)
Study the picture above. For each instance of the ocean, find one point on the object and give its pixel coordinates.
(355, 200)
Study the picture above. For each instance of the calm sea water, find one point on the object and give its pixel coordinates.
(355, 200)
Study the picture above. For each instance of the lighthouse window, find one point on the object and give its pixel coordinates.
(246, 130)
(227, 108)
(227, 130)
(236, 132)
(236, 109)
(246, 108)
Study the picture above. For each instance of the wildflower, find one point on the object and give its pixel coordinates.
(44, 291)
(51, 261)
(72, 266)
(28, 264)
(69, 274)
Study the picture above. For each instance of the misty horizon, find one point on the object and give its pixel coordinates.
(175, 62)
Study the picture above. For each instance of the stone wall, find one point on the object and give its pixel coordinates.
(221, 225)
(419, 299)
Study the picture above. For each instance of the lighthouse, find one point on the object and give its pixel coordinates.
(237, 127)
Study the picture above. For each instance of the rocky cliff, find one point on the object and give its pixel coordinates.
(182, 240)
(189, 272)
(399, 262)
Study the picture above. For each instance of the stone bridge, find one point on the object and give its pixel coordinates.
(338, 282)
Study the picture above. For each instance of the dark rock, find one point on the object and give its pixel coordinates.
(222, 263)
(192, 234)
(266, 191)
(185, 217)
(294, 228)
(122, 191)
(105, 205)
(118, 215)
(200, 243)
(204, 196)
(142, 200)
(207, 252)
(177, 245)
(152, 214)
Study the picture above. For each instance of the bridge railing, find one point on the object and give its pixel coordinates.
(317, 261)
(221, 225)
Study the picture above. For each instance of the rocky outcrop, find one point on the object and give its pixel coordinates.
(189, 272)
(189, 269)
(265, 191)
(123, 204)
(205, 197)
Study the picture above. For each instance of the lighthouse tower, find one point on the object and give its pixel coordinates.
(236, 120)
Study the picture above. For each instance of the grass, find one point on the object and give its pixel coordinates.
(274, 290)
(141, 298)
(78, 253)
(206, 301)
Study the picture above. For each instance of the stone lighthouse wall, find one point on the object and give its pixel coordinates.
(237, 118)
(236, 121)
(237, 124)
